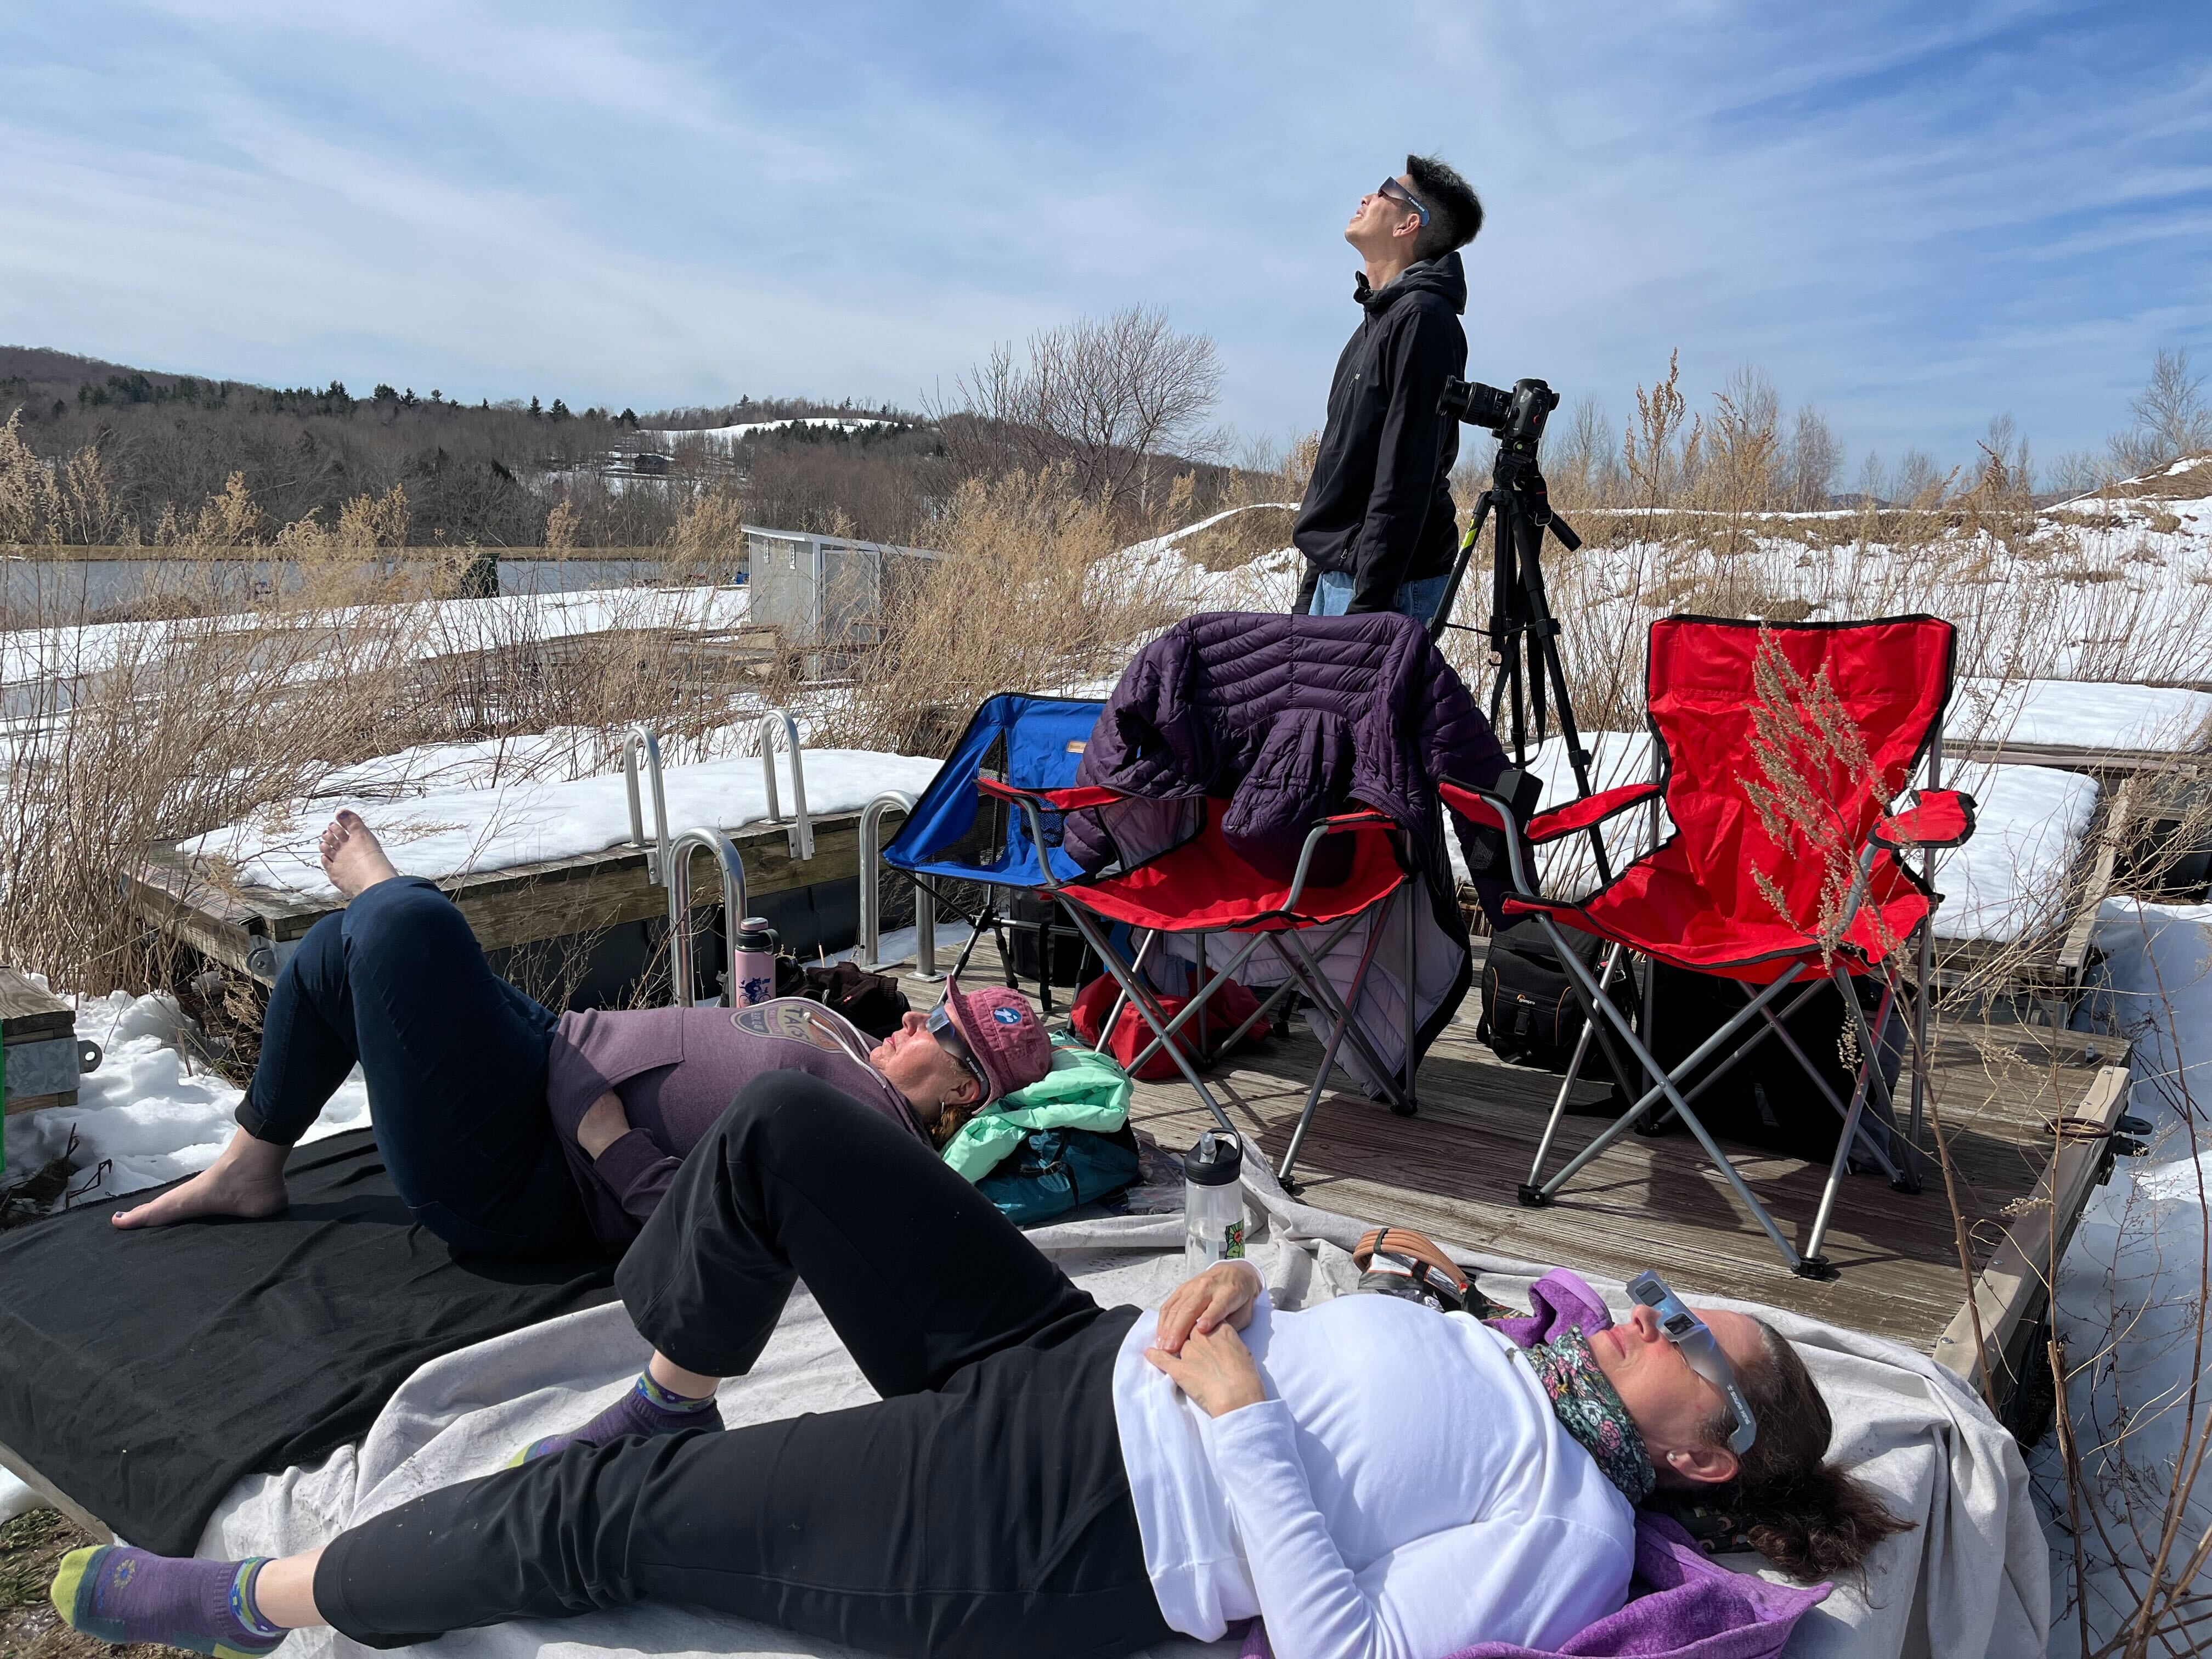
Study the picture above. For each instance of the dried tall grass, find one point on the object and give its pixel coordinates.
(1030, 598)
(121, 738)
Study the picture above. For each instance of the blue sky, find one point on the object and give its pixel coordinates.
(1915, 217)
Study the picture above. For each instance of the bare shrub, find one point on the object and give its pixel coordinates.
(2171, 418)
(124, 738)
(1032, 597)
(1102, 397)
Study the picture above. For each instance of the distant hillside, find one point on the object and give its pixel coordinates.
(484, 473)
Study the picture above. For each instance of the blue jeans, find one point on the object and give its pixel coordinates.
(455, 1060)
(1418, 600)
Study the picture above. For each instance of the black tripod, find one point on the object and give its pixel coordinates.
(1524, 635)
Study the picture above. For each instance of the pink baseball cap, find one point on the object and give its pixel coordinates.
(1004, 1034)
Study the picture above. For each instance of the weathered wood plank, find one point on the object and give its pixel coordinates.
(29, 1014)
(1452, 1171)
(2013, 1289)
(519, 905)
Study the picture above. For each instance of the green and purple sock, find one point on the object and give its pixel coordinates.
(646, 1409)
(118, 1593)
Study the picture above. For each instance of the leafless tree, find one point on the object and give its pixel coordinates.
(1582, 463)
(2005, 449)
(1918, 480)
(2171, 418)
(1105, 397)
(2077, 472)
(1810, 462)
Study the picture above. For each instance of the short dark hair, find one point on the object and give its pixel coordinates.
(1455, 210)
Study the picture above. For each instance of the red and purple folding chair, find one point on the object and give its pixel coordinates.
(1198, 885)
(1748, 744)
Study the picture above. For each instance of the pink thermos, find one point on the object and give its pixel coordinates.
(756, 963)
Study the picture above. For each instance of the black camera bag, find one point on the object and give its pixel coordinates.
(1765, 1099)
(1530, 1013)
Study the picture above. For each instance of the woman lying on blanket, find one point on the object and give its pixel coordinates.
(509, 1130)
(1042, 1476)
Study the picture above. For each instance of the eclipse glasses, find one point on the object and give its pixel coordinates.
(1700, 1350)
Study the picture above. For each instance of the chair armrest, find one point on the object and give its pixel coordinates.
(1494, 812)
(1072, 799)
(1575, 815)
(1353, 820)
(1937, 817)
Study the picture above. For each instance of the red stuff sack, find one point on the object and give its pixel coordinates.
(1229, 1007)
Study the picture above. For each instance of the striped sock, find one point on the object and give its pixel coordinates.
(646, 1409)
(118, 1593)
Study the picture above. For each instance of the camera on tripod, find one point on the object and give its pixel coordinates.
(1524, 635)
(1508, 415)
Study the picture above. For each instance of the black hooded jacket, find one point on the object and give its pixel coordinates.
(1380, 503)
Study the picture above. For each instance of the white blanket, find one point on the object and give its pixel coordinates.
(1972, 1580)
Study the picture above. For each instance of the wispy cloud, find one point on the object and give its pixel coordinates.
(1915, 221)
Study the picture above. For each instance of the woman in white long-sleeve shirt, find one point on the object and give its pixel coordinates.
(1040, 1475)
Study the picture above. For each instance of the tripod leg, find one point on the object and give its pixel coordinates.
(1545, 631)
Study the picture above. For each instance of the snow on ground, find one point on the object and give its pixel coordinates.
(430, 628)
(726, 438)
(2010, 878)
(2132, 1285)
(2081, 714)
(450, 831)
(156, 1116)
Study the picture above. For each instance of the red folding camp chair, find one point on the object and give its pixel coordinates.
(1724, 897)
(1201, 887)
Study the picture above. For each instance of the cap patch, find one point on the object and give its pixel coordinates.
(1006, 1016)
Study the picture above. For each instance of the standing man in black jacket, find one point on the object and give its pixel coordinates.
(1377, 526)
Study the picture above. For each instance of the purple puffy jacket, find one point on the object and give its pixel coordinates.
(1289, 719)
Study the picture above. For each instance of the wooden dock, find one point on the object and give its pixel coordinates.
(252, 929)
(1453, 1170)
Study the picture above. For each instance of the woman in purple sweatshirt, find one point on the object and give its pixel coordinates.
(511, 1131)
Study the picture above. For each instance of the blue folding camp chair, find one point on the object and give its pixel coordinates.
(955, 833)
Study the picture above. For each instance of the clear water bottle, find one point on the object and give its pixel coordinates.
(1213, 1201)
(756, 971)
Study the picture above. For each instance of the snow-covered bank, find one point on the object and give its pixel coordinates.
(429, 628)
(2132, 1287)
(449, 831)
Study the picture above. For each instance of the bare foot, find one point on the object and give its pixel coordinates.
(247, 1179)
(353, 858)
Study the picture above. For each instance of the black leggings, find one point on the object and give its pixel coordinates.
(455, 1060)
(980, 1507)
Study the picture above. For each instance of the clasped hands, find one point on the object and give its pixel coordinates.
(1197, 1344)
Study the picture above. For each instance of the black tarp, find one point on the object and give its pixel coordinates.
(145, 1373)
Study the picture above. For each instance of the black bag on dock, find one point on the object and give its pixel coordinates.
(1530, 1013)
(872, 1002)
(1765, 1099)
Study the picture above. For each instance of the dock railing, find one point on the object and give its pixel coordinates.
(683, 991)
(802, 827)
(642, 739)
(871, 891)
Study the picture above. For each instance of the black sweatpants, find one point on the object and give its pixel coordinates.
(980, 1507)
